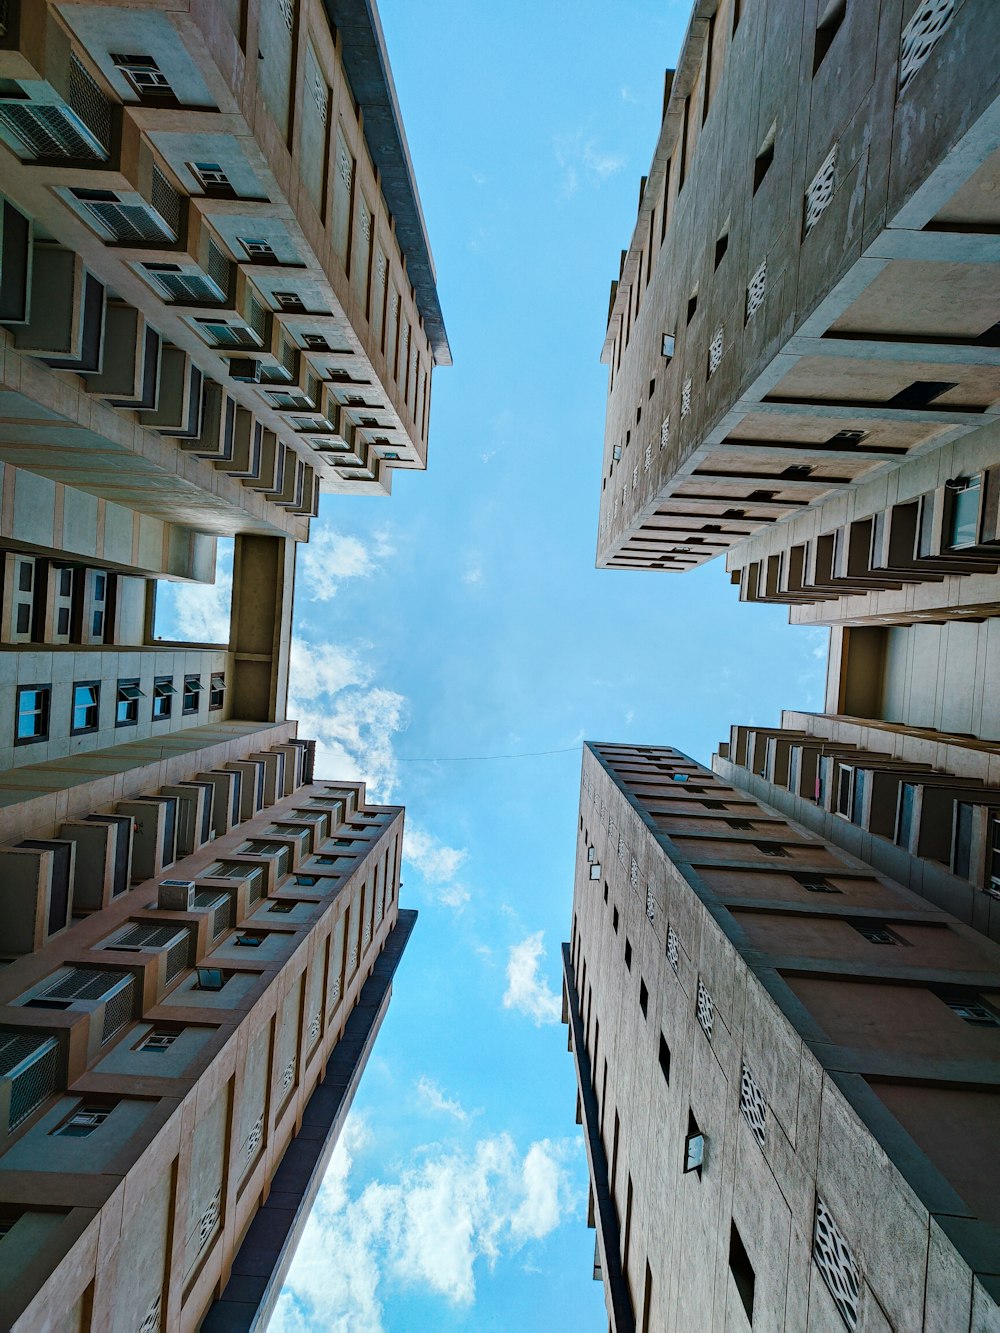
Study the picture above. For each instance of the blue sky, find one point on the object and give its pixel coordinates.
(463, 616)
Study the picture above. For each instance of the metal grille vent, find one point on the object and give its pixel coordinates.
(256, 888)
(288, 356)
(166, 201)
(753, 1104)
(89, 103)
(219, 268)
(930, 22)
(257, 318)
(705, 1010)
(820, 191)
(837, 1264)
(128, 222)
(187, 287)
(118, 1011)
(30, 1064)
(177, 957)
(366, 936)
(686, 398)
(47, 131)
(209, 1220)
(673, 948)
(151, 1319)
(83, 983)
(756, 291)
(647, 457)
(222, 918)
(715, 349)
(353, 960)
(335, 992)
(622, 849)
(144, 937)
(287, 13)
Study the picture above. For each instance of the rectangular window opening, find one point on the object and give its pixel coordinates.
(742, 1270)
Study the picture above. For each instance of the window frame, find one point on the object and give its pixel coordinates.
(44, 712)
(128, 701)
(192, 689)
(163, 693)
(88, 728)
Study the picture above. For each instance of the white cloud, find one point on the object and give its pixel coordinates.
(437, 864)
(473, 574)
(435, 1099)
(585, 158)
(331, 557)
(354, 736)
(429, 1228)
(323, 668)
(527, 992)
(198, 612)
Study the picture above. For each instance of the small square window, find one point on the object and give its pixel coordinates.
(694, 1148)
(249, 941)
(65, 582)
(163, 697)
(23, 618)
(25, 576)
(212, 178)
(257, 249)
(192, 694)
(210, 978)
(283, 909)
(595, 871)
(315, 342)
(83, 1121)
(127, 703)
(217, 691)
(32, 714)
(157, 1041)
(62, 620)
(290, 301)
(86, 707)
(144, 75)
(97, 624)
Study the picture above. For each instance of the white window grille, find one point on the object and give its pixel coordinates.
(287, 13)
(650, 905)
(665, 432)
(633, 877)
(837, 1265)
(209, 1220)
(756, 291)
(686, 398)
(715, 349)
(673, 948)
(820, 191)
(705, 1010)
(151, 1319)
(753, 1104)
(346, 169)
(647, 457)
(930, 22)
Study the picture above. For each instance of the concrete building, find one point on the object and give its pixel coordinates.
(217, 301)
(803, 332)
(787, 1067)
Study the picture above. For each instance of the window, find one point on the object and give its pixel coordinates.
(217, 691)
(283, 909)
(876, 932)
(831, 17)
(722, 244)
(816, 884)
(741, 1269)
(84, 1120)
(127, 703)
(257, 249)
(765, 156)
(86, 706)
(628, 955)
(664, 1059)
(692, 305)
(32, 714)
(595, 870)
(306, 881)
(210, 978)
(290, 301)
(770, 849)
(163, 696)
(316, 342)
(192, 694)
(962, 527)
(144, 75)
(679, 777)
(694, 1147)
(971, 1008)
(250, 941)
(643, 998)
(605, 891)
(157, 1040)
(212, 179)
(667, 346)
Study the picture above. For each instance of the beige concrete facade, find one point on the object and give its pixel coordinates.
(787, 1068)
(808, 303)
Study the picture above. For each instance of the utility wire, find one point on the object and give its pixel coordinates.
(481, 758)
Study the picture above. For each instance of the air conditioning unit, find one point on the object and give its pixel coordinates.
(29, 1068)
(121, 842)
(254, 876)
(194, 814)
(178, 407)
(35, 888)
(154, 838)
(173, 942)
(226, 802)
(252, 793)
(244, 369)
(219, 906)
(175, 895)
(108, 995)
(292, 768)
(274, 767)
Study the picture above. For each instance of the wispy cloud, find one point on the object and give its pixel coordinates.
(473, 573)
(331, 557)
(429, 1228)
(437, 864)
(583, 159)
(431, 1096)
(528, 992)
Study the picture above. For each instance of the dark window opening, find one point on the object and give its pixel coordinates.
(721, 246)
(829, 25)
(664, 1059)
(32, 723)
(764, 158)
(643, 998)
(628, 955)
(741, 1269)
(692, 305)
(920, 393)
(614, 920)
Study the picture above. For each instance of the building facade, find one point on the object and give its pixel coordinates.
(803, 330)
(217, 302)
(786, 1064)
